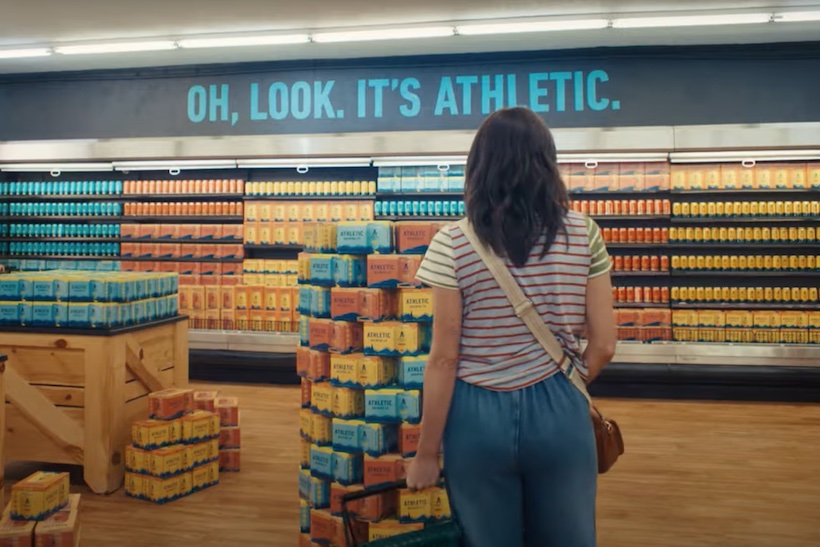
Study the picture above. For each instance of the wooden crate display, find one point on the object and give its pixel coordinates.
(71, 399)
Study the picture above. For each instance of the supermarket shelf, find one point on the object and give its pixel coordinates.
(744, 273)
(759, 246)
(182, 241)
(632, 305)
(441, 218)
(735, 220)
(636, 245)
(20, 219)
(56, 257)
(363, 197)
(181, 197)
(61, 239)
(750, 191)
(57, 199)
(736, 306)
(281, 248)
(264, 342)
(389, 196)
(640, 274)
(630, 217)
(200, 219)
(167, 259)
(96, 332)
(654, 194)
(704, 353)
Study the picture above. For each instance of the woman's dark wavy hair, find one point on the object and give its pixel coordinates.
(513, 190)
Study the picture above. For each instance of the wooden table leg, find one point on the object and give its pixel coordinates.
(2, 436)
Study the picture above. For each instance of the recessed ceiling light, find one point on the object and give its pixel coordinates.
(692, 20)
(531, 26)
(116, 47)
(382, 34)
(797, 17)
(239, 41)
(22, 53)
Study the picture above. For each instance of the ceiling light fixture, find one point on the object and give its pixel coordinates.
(23, 53)
(382, 34)
(116, 47)
(277, 163)
(797, 17)
(530, 26)
(692, 20)
(744, 155)
(50, 167)
(162, 165)
(242, 41)
(418, 161)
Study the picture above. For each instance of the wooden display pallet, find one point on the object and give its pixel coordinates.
(71, 396)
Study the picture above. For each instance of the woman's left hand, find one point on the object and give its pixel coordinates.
(424, 472)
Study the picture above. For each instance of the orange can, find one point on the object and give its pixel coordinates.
(618, 263)
(211, 188)
(627, 264)
(621, 294)
(152, 209)
(164, 209)
(607, 234)
(656, 295)
(667, 207)
(178, 209)
(198, 208)
(219, 208)
(664, 295)
(630, 294)
(664, 263)
(585, 207)
(211, 207)
(631, 236)
(645, 263)
(640, 235)
(650, 207)
(664, 235)
(609, 207)
(642, 207)
(655, 263)
(633, 207)
(658, 206)
(233, 209)
(616, 208)
(638, 294)
(623, 235)
(198, 187)
(164, 186)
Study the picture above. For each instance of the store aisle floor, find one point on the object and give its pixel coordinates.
(707, 474)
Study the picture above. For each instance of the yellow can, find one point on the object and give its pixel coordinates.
(350, 188)
(784, 234)
(788, 208)
(759, 294)
(766, 235)
(813, 294)
(709, 234)
(793, 235)
(771, 208)
(746, 209)
(815, 208)
(748, 234)
(811, 234)
(811, 262)
(699, 234)
(334, 188)
(312, 188)
(711, 208)
(673, 235)
(326, 186)
(741, 294)
(690, 234)
(725, 263)
(734, 262)
(754, 209)
(737, 209)
(675, 294)
(703, 209)
(802, 263)
(786, 295)
(676, 262)
(768, 294)
(797, 209)
(722, 234)
(794, 262)
(734, 294)
(780, 208)
(720, 209)
(701, 263)
(804, 294)
(709, 294)
(732, 235)
(742, 263)
(725, 293)
(796, 294)
(676, 209)
(801, 234)
(768, 263)
(757, 234)
(700, 294)
(709, 263)
(759, 263)
(685, 209)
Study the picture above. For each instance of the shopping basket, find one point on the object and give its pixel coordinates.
(444, 534)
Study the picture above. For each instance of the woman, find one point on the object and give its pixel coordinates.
(518, 443)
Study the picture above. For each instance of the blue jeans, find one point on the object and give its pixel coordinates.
(521, 465)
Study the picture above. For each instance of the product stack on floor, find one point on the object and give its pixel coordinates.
(365, 333)
(42, 513)
(183, 445)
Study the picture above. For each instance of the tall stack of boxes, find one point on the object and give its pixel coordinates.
(175, 452)
(229, 432)
(365, 329)
(41, 513)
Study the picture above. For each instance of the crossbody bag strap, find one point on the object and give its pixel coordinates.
(524, 308)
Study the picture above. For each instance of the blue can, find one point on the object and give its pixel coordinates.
(445, 208)
(400, 208)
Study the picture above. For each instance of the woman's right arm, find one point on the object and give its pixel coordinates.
(602, 333)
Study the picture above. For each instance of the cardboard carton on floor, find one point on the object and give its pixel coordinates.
(61, 529)
(15, 533)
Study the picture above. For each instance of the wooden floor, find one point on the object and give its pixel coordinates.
(700, 474)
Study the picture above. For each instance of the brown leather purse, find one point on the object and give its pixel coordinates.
(608, 439)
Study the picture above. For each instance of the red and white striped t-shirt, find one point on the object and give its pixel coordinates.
(497, 351)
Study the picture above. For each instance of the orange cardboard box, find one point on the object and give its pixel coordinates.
(228, 409)
(631, 178)
(15, 533)
(204, 400)
(127, 265)
(306, 385)
(168, 250)
(185, 297)
(294, 235)
(264, 234)
(207, 250)
(228, 319)
(209, 277)
(377, 508)
(337, 492)
(256, 320)
(198, 299)
(302, 360)
(232, 269)
(170, 404)
(230, 437)
(320, 333)
(319, 365)
(230, 251)
(229, 459)
(148, 231)
(213, 298)
(243, 297)
(265, 212)
(346, 337)
(232, 231)
(213, 319)
(129, 231)
(386, 469)
(389, 271)
(61, 529)
(409, 439)
(285, 311)
(251, 233)
(413, 237)
(228, 297)
(256, 297)
(211, 231)
(243, 319)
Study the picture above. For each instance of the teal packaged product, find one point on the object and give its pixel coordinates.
(304, 484)
(10, 314)
(346, 435)
(319, 302)
(411, 371)
(173, 305)
(24, 314)
(378, 439)
(43, 314)
(152, 287)
(151, 309)
(377, 208)
(305, 297)
(79, 315)
(163, 305)
(321, 462)
(348, 469)
(10, 289)
(79, 290)
(140, 312)
(321, 270)
(304, 331)
(349, 270)
(125, 317)
(409, 403)
(304, 517)
(140, 288)
(49, 290)
(381, 406)
(380, 237)
(352, 238)
(319, 495)
(409, 179)
(100, 290)
(400, 207)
